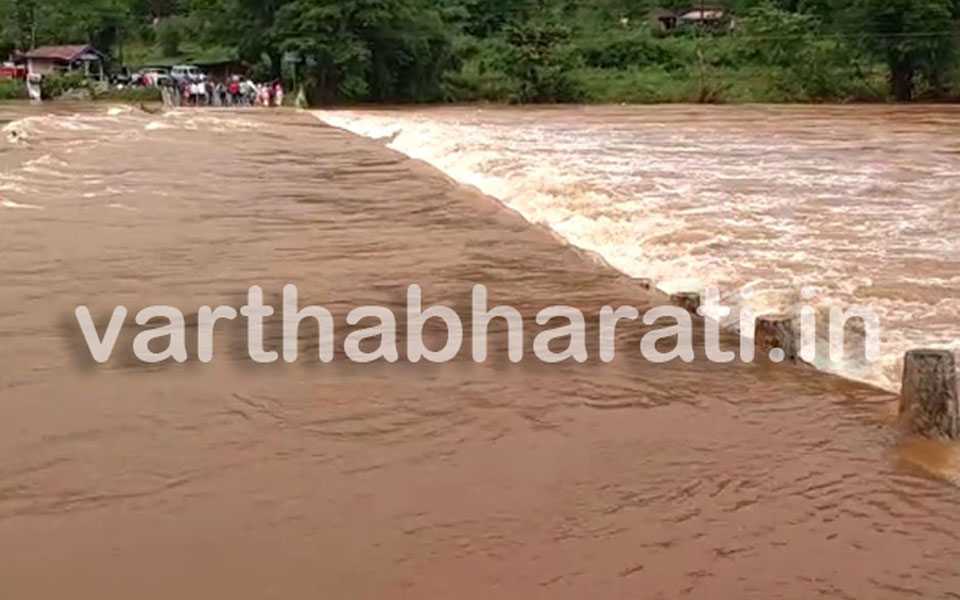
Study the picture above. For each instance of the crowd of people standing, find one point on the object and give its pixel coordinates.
(233, 92)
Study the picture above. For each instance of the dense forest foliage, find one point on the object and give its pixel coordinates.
(528, 50)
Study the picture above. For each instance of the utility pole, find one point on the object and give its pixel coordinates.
(703, 75)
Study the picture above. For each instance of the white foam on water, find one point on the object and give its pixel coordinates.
(43, 171)
(16, 132)
(17, 205)
(119, 206)
(693, 203)
(194, 120)
(45, 160)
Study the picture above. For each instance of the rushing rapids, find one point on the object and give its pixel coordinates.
(857, 203)
(237, 480)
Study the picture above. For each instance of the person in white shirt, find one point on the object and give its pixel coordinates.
(200, 90)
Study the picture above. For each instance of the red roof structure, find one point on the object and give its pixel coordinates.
(49, 60)
(64, 53)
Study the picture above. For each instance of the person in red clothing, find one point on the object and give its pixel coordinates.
(236, 95)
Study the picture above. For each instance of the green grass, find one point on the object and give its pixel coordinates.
(728, 85)
(130, 95)
(12, 89)
(636, 86)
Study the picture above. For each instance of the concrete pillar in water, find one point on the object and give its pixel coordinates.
(687, 300)
(928, 400)
(777, 332)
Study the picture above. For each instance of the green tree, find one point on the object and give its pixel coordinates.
(775, 36)
(26, 16)
(541, 60)
(170, 36)
(365, 49)
(150, 10)
(28, 23)
(484, 18)
(916, 38)
(332, 58)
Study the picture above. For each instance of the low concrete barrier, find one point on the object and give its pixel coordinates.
(687, 300)
(928, 398)
(777, 332)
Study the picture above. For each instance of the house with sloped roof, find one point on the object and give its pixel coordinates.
(706, 15)
(662, 19)
(47, 60)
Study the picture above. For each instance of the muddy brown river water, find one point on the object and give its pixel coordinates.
(235, 480)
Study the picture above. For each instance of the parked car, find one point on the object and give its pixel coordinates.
(151, 77)
(187, 73)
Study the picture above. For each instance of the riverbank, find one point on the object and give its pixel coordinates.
(592, 86)
(756, 85)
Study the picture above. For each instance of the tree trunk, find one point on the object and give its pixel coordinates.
(276, 64)
(902, 82)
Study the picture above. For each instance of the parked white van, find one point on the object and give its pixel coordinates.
(187, 72)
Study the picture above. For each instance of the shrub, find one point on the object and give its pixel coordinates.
(12, 89)
(636, 49)
(639, 86)
(481, 75)
(57, 85)
(475, 82)
(541, 60)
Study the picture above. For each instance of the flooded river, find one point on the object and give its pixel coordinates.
(860, 204)
(623, 480)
